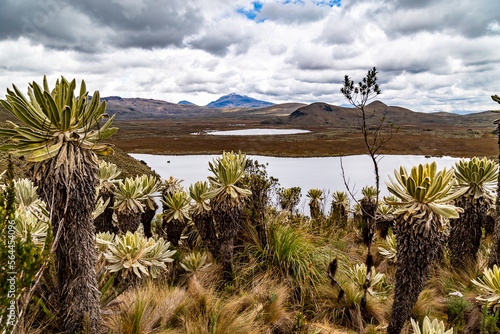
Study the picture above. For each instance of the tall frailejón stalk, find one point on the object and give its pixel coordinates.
(478, 177)
(315, 197)
(423, 196)
(227, 201)
(58, 133)
(201, 217)
(175, 215)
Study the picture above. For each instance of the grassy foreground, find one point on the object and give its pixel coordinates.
(281, 287)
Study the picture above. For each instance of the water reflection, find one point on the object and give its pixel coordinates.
(322, 172)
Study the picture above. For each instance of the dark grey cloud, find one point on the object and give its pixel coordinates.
(93, 25)
(49, 22)
(145, 24)
(469, 18)
(414, 65)
(219, 45)
(223, 37)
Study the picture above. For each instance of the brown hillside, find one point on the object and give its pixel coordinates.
(137, 108)
(323, 114)
(319, 114)
(283, 109)
(144, 109)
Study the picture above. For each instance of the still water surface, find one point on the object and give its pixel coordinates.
(254, 132)
(322, 172)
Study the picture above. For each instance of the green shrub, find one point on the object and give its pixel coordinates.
(458, 307)
(489, 321)
(20, 260)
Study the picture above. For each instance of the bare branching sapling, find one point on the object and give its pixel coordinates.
(375, 137)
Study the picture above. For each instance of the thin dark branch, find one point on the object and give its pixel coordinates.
(366, 90)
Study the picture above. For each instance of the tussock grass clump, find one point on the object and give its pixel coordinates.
(347, 311)
(145, 309)
(292, 254)
(429, 302)
(262, 309)
(344, 307)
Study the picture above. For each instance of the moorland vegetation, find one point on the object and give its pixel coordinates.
(82, 250)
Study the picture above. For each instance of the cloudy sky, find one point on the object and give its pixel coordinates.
(432, 55)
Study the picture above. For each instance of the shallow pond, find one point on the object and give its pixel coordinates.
(322, 172)
(254, 132)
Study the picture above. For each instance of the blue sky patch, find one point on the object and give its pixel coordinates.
(330, 3)
(252, 13)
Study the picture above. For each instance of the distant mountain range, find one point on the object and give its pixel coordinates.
(238, 101)
(235, 106)
(293, 114)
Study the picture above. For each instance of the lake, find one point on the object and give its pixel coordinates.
(252, 132)
(322, 172)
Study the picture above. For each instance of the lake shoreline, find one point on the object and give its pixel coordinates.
(296, 156)
(174, 137)
(305, 172)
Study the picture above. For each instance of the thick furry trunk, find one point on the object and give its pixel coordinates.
(174, 230)
(226, 255)
(261, 228)
(466, 231)
(128, 221)
(415, 254)
(104, 222)
(228, 218)
(70, 194)
(369, 210)
(147, 218)
(314, 208)
(339, 214)
(489, 225)
(205, 225)
(383, 226)
(494, 258)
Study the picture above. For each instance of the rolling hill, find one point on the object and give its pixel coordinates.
(323, 114)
